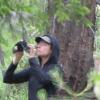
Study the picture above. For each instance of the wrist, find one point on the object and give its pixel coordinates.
(15, 61)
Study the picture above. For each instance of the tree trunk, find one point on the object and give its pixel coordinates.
(76, 43)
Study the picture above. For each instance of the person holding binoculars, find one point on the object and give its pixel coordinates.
(37, 74)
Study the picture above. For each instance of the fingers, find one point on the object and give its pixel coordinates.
(32, 51)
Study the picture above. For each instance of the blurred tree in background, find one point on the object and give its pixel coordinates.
(73, 22)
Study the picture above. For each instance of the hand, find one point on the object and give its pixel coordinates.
(32, 51)
(17, 56)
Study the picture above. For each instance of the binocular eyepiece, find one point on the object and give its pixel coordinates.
(20, 47)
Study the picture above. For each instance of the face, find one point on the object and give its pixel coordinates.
(43, 49)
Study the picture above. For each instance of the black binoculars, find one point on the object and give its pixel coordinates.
(20, 47)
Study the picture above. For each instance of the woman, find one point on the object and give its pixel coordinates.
(37, 74)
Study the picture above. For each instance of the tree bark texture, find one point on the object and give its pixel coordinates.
(77, 45)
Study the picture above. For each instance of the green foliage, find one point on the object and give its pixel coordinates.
(61, 13)
(4, 9)
(27, 13)
(73, 10)
(16, 92)
(42, 95)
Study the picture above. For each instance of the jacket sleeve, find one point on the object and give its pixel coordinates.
(19, 77)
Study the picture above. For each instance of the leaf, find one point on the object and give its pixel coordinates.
(62, 16)
(87, 22)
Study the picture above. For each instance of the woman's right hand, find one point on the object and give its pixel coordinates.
(17, 57)
(32, 51)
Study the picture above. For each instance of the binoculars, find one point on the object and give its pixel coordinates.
(21, 46)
